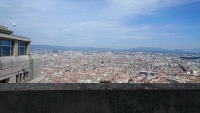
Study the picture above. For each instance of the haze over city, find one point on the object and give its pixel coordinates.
(116, 24)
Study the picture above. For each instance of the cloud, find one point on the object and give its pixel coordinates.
(118, 9)
(88, 23)
(168, 25)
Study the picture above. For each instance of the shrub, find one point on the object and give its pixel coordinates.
(104, 81)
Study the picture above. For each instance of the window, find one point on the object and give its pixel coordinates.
(20, 77)
(22, 48)
(6, 48)
(26, 74)
(17, 78)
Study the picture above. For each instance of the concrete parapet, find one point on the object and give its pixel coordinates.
(99, 98)
(98, 86)
(18, 67)
(9, 62)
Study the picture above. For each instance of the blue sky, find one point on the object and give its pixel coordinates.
(170, 24)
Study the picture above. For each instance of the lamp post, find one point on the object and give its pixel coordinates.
(11, 22)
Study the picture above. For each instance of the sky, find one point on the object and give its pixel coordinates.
(116, 24)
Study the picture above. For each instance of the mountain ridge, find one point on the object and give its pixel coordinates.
(136, 49)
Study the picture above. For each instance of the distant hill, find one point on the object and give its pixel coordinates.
(74, 48)
(155, 50)
(195, 50)
(137, 49)
(146, 49)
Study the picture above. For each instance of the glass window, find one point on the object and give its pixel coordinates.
(21, 43)
(22, 48)
(6, 48)
(5, 42)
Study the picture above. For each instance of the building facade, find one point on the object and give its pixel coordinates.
(16, 63)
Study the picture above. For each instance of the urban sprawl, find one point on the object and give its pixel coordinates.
(118, 67)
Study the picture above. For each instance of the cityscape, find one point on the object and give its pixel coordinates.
(108, 41)
(100, 56)
(64, 66)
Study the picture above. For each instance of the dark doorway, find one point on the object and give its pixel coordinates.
(5, 80)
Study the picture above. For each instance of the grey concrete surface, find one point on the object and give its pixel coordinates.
(14, 37)
(96, 86)
(35, 66)
(43, 81)
(40, 79)
(100, 101)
